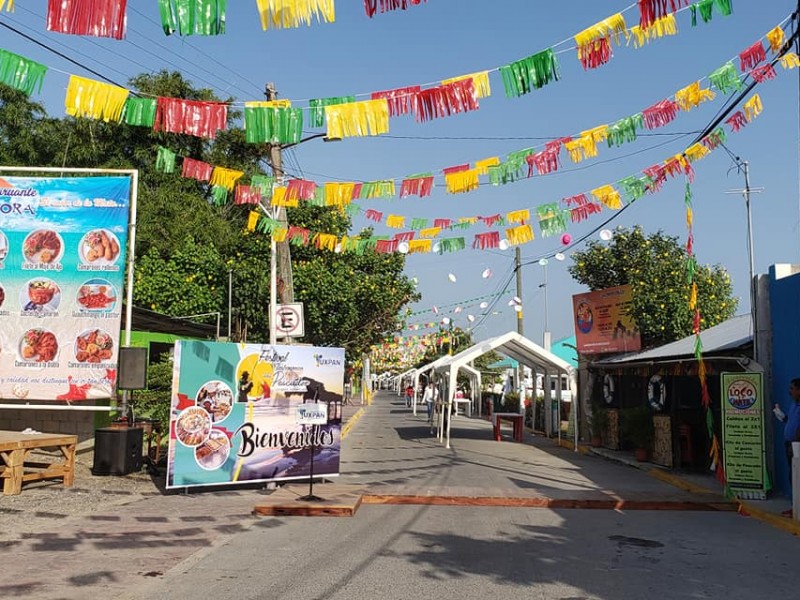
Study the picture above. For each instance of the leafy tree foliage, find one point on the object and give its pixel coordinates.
(186, 246)
(655, 267)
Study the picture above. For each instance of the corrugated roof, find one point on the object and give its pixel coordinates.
(728, 335)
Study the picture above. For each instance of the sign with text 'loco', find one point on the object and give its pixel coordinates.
(62, 263)
(743, 434)
(247, 413)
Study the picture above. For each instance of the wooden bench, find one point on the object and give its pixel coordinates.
(516, 420)
(16, 468)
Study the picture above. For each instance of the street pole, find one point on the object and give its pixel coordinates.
(230, 300)
(518, 269)
(750, 252)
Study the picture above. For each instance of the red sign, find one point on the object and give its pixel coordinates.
(603, 323)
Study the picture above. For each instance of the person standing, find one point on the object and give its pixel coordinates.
(429, 398)
(791, 421)
(409, 395)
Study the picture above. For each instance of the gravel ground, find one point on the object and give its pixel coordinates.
(43, 503)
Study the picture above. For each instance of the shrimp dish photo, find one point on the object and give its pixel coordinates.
(193, 426)
(97, 295)
(38, 345)
(42, 295)
(99, 246)
(94, 346)
(43, 246)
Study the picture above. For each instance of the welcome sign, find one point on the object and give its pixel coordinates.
(253, 413)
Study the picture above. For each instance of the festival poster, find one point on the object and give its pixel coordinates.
(62, 264)
(234, 414)
(603, 321)
(743, 444)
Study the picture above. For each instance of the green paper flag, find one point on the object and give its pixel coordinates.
(273, 125)
(418, 223)
(552, 219)
(706, 7)
(139, 111)
(624, 130)
(634, 187)
(267, 225)
(531, 73)
(726, 79)
(691, 265)
(319, 196)
(21, 73)
(317, 108)
(219, 194)
(377, 189)
(188, 17)
(264, 183)
(165, 161)
(352, 209)
(451, 245)
(512, 169)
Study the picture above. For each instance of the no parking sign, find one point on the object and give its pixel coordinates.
(289, 320)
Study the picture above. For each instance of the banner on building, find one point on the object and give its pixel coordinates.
(234, 415)
(743, 445)
(603, 321)
(62, 264)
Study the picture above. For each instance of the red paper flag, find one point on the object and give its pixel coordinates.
(763, 73)
(491, 221)
(374, 215)
(298, 232)
(401, 101)
(200, 119)
(658, 174)
(301, 189)
(196, 169)
(371, 6)
(660, 114)
(386, 246)
(596, 53)
(737, 121)
(445, 100)
(406, 236)
(246, 194)
(416, 186)
(442, 223)
(751, 57)
(484, 241)
(98, 18)
(652, 10)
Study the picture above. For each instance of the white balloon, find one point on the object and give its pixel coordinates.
(414, 280)
(560, 256)
(435, 310)
(606, 235)
(338, 249)
(504, 245)
(470, 318)
(451, 277)
(458, 309)
(543, 262)
(403, 247)
(437, 246)
(446, 321)
(517, 300)
(486, 274)
(484, 304)
(518, 308)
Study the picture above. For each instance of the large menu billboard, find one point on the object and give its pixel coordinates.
(62, 264)
(237, 413)
(603, 321)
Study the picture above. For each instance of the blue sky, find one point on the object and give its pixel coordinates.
(447, 38)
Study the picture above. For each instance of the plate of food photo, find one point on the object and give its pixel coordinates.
(3, 246)
(193, 426)
(213, 453)
(43, 246)
(38, 345)
(94, 346)
(99, 247)
(216, 398)
(97, 295)
(40, 295)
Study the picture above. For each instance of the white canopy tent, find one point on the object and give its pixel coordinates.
(525, 352)
(398, 381)
(421, 371)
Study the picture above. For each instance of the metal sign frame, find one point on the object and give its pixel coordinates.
(289, 320)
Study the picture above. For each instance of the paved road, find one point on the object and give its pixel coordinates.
(208, 545)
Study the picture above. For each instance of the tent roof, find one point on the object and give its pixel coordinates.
(505, 363)
(728, 335)
(514, 346)
(565, 348)
(151, 321)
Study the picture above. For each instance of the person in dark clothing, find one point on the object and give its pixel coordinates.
(245, 385)
(791, 421)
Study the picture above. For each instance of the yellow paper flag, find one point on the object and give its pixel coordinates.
(790, 61)
(462, 182)
(286, 14)
(696, 151)
(357, 119)
(608, 197)
(430, 232)
(252, 220)
(692, 95)
(483, 88)
(339, 194)
(776, 39)
(419, 246)
(279, 234)
(661, 27)
(753, 107)
(94, 99)
(482, 166)
(9, 6)
(519, 235)
(280, 198)
(518, 216)
(227, 178)
(395, 221)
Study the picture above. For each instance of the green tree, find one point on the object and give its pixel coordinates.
(655, 267)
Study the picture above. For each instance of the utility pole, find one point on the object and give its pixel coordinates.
(546, 334)
(285, 282)
(518, 269)
(750, 250)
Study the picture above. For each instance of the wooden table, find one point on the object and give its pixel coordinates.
(16, 469)
(516, 420)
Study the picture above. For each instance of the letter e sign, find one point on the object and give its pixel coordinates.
(289, 320)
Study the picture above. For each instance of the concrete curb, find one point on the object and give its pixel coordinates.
(351, 422)
(783, 523)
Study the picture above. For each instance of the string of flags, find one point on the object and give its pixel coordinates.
(344, 116)
(518, 164)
